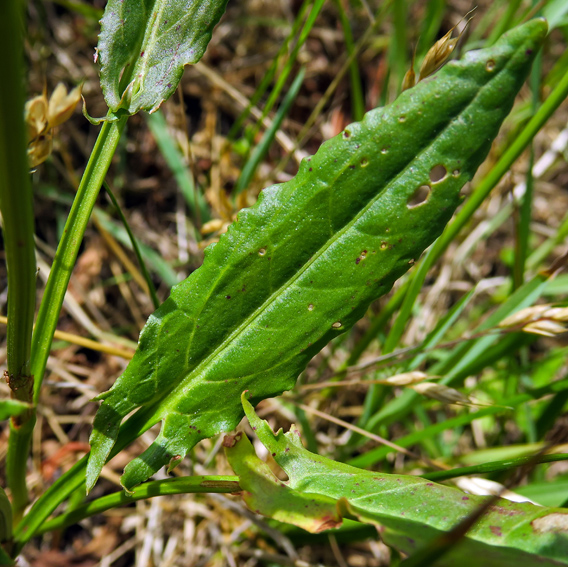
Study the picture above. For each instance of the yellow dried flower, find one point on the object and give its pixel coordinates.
(35, 115)
(41, 115)
(62, 104)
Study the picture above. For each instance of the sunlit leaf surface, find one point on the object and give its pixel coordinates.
(144, 45)
(303, 265)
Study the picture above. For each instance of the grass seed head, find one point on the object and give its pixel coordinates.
(440, 52)
(442, 393)
(545, 327)
(524, 316)
(405, 379)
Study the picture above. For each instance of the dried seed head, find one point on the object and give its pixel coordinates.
(542, 320)
(439, 53)
(525, 316)
(410, 76)
(557, 314)
(405, 379)
(442, 393)
(409, 79)
(545, 327)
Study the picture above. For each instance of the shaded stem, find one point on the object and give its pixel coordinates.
(16, 204)
(53, 297)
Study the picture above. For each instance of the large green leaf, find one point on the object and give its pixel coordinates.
(302, 266)
(144, 45)
(408, 511)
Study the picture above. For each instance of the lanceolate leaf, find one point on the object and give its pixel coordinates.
(144, 45)
(303, 265)
(408, 511)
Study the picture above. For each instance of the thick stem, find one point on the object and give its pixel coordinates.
(16, 204)
(54, 294)
(16, 461)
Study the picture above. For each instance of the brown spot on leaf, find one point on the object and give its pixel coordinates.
(231, 440)
(328, 524)
(503, 511)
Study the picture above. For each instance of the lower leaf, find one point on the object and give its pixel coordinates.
(408, 511)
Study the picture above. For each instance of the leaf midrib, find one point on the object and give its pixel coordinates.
(156, 415)
(141, 66)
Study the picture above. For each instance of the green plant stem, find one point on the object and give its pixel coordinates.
(135, 247)
(57, 493)
(398, 60)
(16, 204)
(271, 72)
(357, 98)
(495, 466)
(68, 248)
(481, 192)
(288, 66)
(64, 486)
(504, 22)
(262, 148)
(193, 197)
(16, 461)
(526, 205)
(58, 281)
(183, 485)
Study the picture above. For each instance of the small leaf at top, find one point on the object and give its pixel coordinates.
(144, 45)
